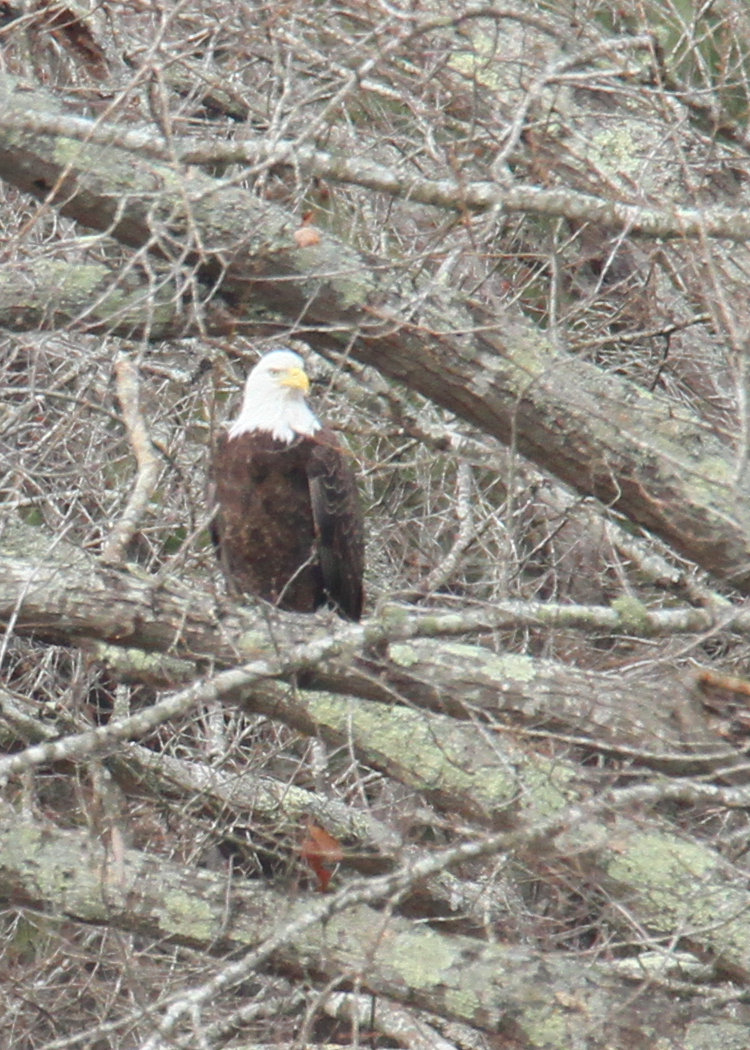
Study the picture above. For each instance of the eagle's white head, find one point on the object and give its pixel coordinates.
(274, 399)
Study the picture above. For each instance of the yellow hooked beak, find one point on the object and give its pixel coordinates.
(296, 378)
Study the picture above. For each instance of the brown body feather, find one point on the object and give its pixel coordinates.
(288, 526)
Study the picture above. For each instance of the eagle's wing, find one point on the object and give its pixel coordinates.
(339, 526)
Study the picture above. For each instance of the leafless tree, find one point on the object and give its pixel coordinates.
(509, 807)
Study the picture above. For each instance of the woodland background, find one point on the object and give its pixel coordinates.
(512, 243)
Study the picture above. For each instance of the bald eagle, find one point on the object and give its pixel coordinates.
(287, 525)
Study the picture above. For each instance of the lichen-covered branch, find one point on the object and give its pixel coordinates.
(150, 631)
(491, 986)
(668, 223)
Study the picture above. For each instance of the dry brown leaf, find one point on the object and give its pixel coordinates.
(319, 848)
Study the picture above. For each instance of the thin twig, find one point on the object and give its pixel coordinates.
(116, 543)
(465, 534)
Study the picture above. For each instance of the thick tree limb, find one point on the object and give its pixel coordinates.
(66, 596)
(46, 293)
(490, 986)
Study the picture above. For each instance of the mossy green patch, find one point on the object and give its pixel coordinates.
(633, 614)
(422, 957)
(404, 655)
(509, 666)
(186, 915)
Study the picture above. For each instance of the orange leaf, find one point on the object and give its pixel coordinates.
(319, 849)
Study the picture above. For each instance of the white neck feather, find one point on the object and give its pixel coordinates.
(282, 413)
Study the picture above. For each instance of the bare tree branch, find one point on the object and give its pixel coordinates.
(115, 545)
(657, 724)
(666, 223)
